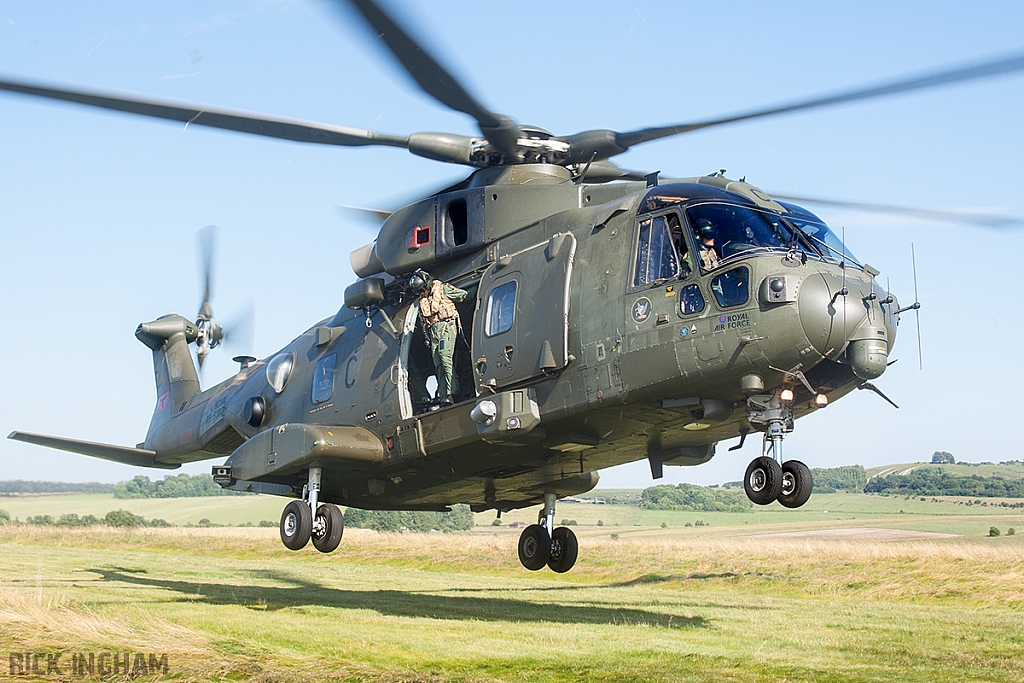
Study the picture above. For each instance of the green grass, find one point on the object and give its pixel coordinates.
(234, 604)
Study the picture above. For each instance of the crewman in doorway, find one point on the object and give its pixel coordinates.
(441, 325)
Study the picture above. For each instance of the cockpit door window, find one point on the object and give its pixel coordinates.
(661, 250)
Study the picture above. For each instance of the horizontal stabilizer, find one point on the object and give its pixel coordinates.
(123, 454)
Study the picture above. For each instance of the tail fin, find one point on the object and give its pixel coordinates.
(176, 378)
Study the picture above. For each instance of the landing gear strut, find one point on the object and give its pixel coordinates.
(768, 478)
(303, 520)
(541, 544)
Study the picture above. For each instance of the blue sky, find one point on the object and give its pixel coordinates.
(98, 211)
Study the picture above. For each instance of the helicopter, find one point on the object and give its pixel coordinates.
(679, 357)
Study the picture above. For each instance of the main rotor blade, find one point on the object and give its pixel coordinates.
(435, 80)
(947, 215)
(296, 130)
(965, 72)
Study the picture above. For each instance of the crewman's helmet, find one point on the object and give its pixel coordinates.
(420, 281)
(706, 229)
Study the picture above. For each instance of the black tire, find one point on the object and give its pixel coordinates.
(296, 525)
(328, 526)
(763, 480)
(564, 550)
(796, 484)
(534, 547)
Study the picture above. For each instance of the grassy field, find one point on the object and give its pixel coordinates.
(767, 596)
(838, 509)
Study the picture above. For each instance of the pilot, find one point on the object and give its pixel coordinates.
(707, 251)
(441, 323)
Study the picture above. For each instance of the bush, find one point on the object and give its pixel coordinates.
(568, 522)
(600, 522)
(121, 518)
(832, 479)
(74, 520)
(159, 522)
(664, 525)
(1011, 531)
(267, 522)
(5, 517)
(615, 537)
(496, 522)
(459, 519)
(40, 519)
(694, 498)
(993, 531)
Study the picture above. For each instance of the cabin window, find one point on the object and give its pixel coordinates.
(731, 287)
(691, 300)
(279, 369)
(501, 308)
(656, 257)
(323, 378)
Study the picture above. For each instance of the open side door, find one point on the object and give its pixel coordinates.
(521, 328)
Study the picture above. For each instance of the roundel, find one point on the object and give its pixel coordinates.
(641, 309)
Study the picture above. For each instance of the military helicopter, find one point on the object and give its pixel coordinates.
(599, 328)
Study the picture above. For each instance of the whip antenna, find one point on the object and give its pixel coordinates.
(917, 308)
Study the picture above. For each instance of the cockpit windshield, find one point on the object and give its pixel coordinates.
(826, 241)
(722, 231)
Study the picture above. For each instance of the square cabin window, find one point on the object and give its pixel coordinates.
(323, 378)
(501, 309)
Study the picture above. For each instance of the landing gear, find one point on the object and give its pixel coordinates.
(768, 478)
(296, 525)
(763, 481)
(541, 544)
(299, 523)
(534, 547)
(328, 526)
(796, 484)
(564, 550)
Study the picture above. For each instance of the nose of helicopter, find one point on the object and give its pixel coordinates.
(845, 320)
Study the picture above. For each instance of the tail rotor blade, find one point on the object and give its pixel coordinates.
(206, 238)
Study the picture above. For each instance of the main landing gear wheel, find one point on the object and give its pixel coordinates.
(763, 480)
(796, 484)
(535, 547)
(296, 525)
(564, 550)
(328, 526)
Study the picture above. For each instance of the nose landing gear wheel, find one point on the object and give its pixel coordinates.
(296, 525)
(763, 480)
(328, 526)
(534, 547)
(796, 484)
(564, 550)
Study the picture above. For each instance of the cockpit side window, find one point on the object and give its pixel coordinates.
(722, 231)
(661, 250)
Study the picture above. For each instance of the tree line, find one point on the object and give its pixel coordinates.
(459, 519)
(936, 481)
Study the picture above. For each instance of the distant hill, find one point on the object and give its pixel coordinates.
(21, 487)
(1010, 469)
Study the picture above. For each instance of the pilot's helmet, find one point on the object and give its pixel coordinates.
(420, 281)
(706, 229)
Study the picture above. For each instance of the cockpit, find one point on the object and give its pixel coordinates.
(718, 233)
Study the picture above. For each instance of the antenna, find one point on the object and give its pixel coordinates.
(917, 308)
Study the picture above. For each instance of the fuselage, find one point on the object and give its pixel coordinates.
(592, 324)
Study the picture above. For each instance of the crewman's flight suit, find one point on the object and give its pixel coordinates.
(441, 320)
